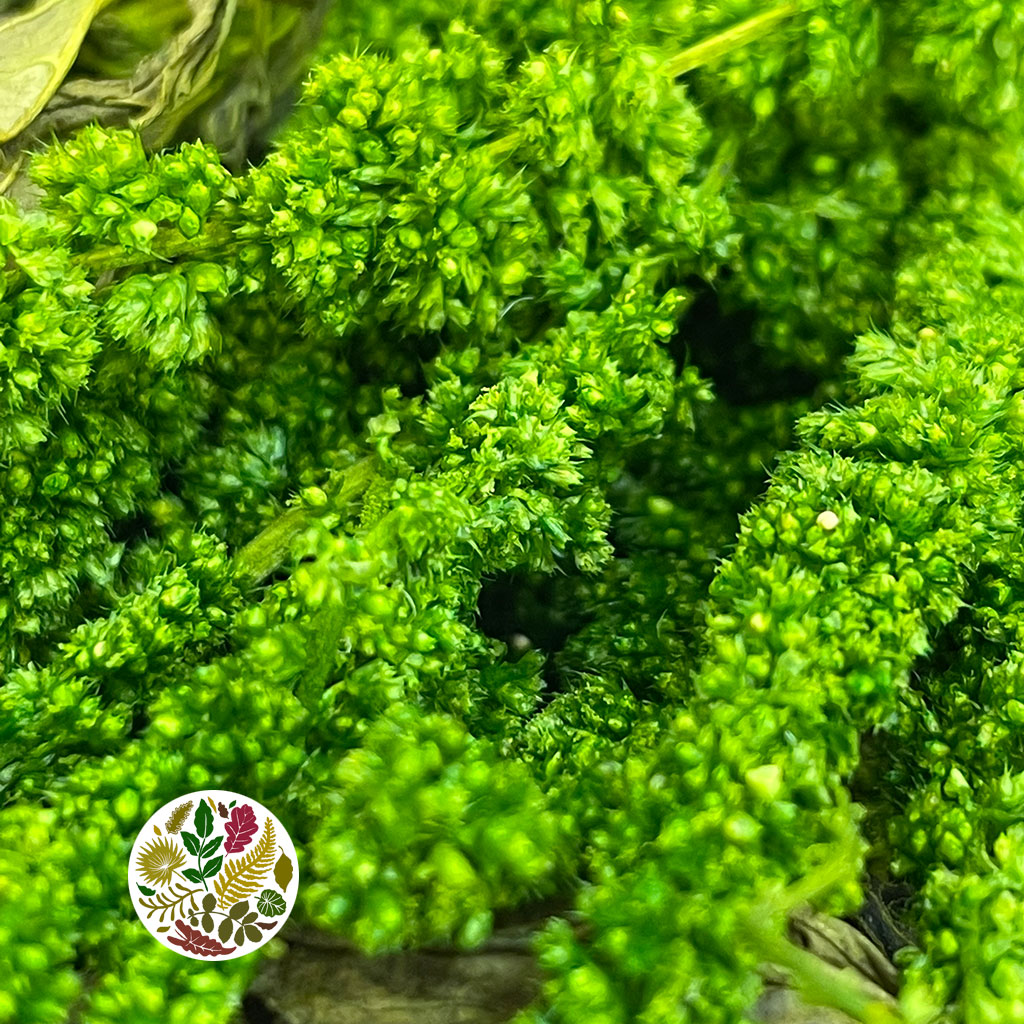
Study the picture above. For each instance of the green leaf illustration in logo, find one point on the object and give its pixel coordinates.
(211, 847)
(211, 867)
(203, 820)
(271, 903)
(240, 917)
(145, 890)
(191, 842)
(192, 875)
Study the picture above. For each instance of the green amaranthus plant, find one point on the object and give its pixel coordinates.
(268, 441)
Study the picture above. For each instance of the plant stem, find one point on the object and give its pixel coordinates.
(328, 624)
(167, 245)
(721, 166)
(199, 868)
(820, 881)
(268, 550)
(709, 50)
(818, 982)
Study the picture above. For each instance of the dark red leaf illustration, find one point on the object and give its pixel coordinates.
(192, 940)
(240, 829)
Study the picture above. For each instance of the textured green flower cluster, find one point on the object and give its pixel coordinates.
(579, 463)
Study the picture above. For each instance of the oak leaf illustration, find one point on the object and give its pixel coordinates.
(240, 829)
(242, 876)
(192, 940)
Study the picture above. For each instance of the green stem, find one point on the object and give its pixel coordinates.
(268, 551)
(328, 624)
(721, 166)
(199, 868)
(821, 881)
(709, 50)
(818, 982)
(167, 245)
(10, 172)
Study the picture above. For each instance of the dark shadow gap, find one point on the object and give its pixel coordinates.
(721, 345)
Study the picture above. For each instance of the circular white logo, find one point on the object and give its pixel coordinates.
(213, 875)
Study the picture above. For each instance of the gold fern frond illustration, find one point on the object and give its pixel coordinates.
(178, 816)
(242, 876)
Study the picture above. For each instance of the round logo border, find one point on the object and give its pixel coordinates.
(284, 849)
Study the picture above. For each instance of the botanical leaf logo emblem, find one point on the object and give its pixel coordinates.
(213, 875)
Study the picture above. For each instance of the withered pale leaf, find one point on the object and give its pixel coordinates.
(37, 48)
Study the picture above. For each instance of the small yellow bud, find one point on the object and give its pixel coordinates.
(827, 520)
(759, 622)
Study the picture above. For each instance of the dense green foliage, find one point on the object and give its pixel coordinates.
(581, 461)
